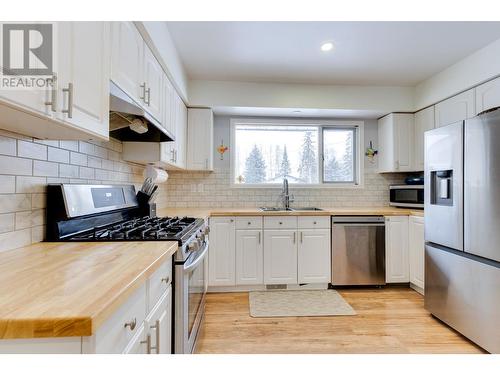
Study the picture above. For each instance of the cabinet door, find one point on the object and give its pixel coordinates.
(127, 59)
(488, 95)
(181, 134)
(396, 250)
(314, 256)
(404, 125)
(84, 75)
(280, 256)
(221, 263)
(168, 119)
(386, 157)
(159, 325)
(249, 257)
(154, 77)
(424, 120)
(456, 108)
(416, 244)
(200, 139)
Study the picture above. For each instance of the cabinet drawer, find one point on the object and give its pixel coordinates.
(159, 282)
(249, 222)
(113, 336)
(280, 222)
(312, 222)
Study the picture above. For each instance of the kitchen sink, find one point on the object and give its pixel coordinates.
(278, 209)
(275, 209)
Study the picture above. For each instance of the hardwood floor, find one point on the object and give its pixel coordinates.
(389, 320)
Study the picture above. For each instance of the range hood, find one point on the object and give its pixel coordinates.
(129, 122)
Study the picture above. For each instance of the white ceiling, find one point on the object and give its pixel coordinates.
(366, 53)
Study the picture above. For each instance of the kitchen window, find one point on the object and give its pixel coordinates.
(307, 153)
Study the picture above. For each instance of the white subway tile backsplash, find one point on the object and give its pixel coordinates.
(78, 159)
(14, 202)
(66, 170)
(8, 146)
(31, 150)
(7, 184)
(45, 168)
(86, 173)
(15, 166)
(58, 155)
(69, 145)
(27, 165)
(29, 184)
(7, 222)
(13, 240)
(38, 200)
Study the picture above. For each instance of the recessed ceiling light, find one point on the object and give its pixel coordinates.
(297, 111)
(327, 46)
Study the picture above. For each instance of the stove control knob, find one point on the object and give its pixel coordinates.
(194, 246)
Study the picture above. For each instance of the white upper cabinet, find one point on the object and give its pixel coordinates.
(396, 250)
(77, 106)
(200, 134)
(154, 78)
(488, 95)
(424, 120)
(416, 250)
(127, 60)
(456, 108)
(83, 81)
(314, 256)
(395, 134)
(221, 263)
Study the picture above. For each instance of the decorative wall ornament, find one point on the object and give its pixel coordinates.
(370, 153)
(221, 149)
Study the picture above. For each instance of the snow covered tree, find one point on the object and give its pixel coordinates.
(255, 167)
(308, 168)
(346, 165)
(285, 165)
(332, 169)
(278, 155)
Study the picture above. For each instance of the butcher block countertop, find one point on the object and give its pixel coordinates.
(358, 211)
(69, 289)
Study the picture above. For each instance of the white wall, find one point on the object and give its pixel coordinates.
(474, 69)
(279, 95)
(158, 34)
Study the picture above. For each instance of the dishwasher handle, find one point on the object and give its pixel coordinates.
(359, 224)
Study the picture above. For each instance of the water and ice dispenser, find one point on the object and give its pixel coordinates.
(442, 187)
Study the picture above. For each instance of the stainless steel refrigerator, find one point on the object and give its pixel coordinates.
(462, 227)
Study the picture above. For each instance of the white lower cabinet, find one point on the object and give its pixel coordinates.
(249, 257)
(416, 251)
(397, 269)
(314, 265)
(280, 256)
(221, 262)
(158, 327)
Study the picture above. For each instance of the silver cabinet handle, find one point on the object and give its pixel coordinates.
(259, 238)
(172, 155)
(301, 237)
(206, 163)
(69, 110)
(175, 155)
(232, 220)
(131, 324)
(166, 279)
(143, 96)
(53, 94)
(294, 235)
(148, 343)
(157, 334)
(148, 94)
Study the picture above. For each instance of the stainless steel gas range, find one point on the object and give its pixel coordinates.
(112, 213)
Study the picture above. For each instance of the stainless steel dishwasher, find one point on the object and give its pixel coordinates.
(358, 250)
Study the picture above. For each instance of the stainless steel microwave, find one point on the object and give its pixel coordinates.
(407, 196)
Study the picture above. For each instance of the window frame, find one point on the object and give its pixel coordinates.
(357, 125)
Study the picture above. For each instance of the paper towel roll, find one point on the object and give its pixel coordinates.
(158, 175)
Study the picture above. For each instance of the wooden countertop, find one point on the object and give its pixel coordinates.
(70, 289)
(213, 212)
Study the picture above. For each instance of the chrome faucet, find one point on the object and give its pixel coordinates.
(286, 198)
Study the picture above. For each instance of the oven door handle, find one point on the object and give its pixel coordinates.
(197, 261)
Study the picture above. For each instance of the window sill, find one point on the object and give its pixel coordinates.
(299, 186)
